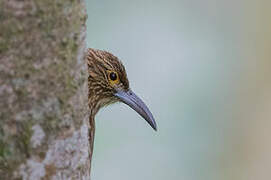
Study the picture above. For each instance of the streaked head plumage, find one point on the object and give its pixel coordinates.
(106, 75)
(108, 83)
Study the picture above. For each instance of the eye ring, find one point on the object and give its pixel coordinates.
(113, 76)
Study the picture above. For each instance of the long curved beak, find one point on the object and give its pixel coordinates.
(132, 100)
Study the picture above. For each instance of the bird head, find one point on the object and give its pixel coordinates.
(108, 83)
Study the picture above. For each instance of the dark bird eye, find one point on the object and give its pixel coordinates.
(113, 76)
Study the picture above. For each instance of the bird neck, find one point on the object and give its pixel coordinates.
(91, 135)
(93, 110)
(94, 107)
(93, 103)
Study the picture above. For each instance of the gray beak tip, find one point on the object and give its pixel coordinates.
(153, 125)
(132, 100)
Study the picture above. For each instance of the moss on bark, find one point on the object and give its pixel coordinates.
(42, 79)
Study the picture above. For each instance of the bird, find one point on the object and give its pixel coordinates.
(107, 84)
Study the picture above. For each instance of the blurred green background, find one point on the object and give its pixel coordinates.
(204, 69)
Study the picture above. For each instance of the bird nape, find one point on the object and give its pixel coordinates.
(108, 83)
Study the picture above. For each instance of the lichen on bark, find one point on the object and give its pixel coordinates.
(43, 93)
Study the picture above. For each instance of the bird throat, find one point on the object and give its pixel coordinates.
(96, 103)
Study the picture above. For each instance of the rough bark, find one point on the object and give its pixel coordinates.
(43, 92)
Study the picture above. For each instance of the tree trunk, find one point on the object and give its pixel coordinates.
(43, 90)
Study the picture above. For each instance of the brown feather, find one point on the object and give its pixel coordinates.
(101, 93)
